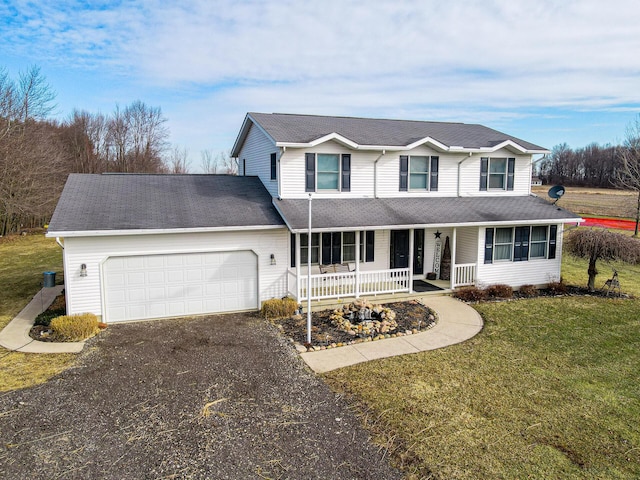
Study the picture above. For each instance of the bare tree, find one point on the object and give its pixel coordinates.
(228, 164)
(137, 138)
(596, 244)
(31, 156)
(628, 176)
(36, 96)
(208, 163)
(179, 160)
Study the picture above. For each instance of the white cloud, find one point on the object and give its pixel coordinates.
(465, 60)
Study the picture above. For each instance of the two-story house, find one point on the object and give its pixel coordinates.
(391, 202)
(386, 194)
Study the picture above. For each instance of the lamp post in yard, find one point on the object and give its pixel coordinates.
(309, 277)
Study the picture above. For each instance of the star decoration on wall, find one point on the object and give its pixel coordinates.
(438, 233)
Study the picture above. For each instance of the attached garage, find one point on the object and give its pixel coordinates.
(170, 285)
(139, 247)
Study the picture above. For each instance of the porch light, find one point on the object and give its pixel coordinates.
(273, 259)
(83, 270)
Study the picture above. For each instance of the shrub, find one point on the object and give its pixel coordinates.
(469, 294)
(528, 291)
(278, 308)
(45, 317)
(557, 288)
(56, 309)
(74, 328)
(499, 291)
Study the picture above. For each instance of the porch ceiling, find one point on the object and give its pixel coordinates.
(372, 213)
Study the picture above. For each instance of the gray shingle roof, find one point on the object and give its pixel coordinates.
(131, 202)
(289, 128)
(359, 213)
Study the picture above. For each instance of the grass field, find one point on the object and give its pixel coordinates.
(548, 389)
(22, 261)
(595, 202)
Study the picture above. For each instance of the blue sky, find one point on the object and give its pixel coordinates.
(548, 71)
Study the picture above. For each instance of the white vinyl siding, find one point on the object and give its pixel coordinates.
(292, 170)
(539, 272)
(389, 174)
(470, 175)
(84, 294)
(256, 158)
(466, 241)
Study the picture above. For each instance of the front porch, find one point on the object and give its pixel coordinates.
(404, 251)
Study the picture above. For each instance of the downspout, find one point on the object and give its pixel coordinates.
(460, 163)
(282, 150)
(375, 174)
(59, 243)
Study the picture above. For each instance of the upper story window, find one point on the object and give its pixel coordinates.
(497, 173)
(328, 177)
(327, 172)
(418, 173)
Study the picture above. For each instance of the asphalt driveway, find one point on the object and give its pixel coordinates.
(211, 397)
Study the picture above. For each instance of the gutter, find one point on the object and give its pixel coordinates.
(159, 231)
(375, 174)
(460, 163)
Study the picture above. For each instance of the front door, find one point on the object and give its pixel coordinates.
(399, 248)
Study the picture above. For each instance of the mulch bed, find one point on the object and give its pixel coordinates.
(411, 316)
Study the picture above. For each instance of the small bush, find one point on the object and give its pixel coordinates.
(56, 309)
(528, 291)
(469, 294)
(278, 308)
(45, 317)
(499, 291)
(74, 328)
(557, 288)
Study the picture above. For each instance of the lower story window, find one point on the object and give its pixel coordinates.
(520, 243)
(333, 247)
(503, 244)
(538, 242)
(304, 248)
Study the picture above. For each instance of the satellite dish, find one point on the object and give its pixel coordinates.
(556, 192)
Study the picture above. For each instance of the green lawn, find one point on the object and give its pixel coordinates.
(548, 389)
(22, 262)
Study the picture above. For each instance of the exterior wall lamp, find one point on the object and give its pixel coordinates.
(83, 270)
(273, 259)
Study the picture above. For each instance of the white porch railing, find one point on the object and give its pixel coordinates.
(335, 285)
(464, 274)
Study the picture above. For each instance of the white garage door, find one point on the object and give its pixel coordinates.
(156, 286)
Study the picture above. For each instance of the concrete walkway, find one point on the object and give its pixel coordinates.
(15, 336)
(457, 322)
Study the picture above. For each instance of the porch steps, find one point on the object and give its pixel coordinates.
(332, 303)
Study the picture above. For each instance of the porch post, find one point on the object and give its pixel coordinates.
(298, 269)
(357, 289)
(453, 257)
(411, 260)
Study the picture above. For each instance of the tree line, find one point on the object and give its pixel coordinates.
(37, 152)
(591, 166)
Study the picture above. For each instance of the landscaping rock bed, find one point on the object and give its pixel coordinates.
(411, 317)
